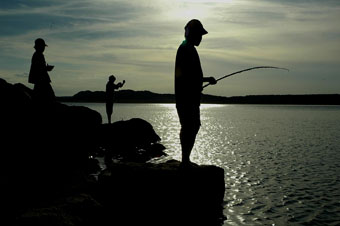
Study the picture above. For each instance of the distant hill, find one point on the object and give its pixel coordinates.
(130, 96)
(121, 96)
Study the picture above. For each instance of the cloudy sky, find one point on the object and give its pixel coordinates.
(137, 41)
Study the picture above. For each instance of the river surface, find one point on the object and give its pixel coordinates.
(282, 163)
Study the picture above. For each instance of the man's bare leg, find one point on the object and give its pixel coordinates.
(187, 138)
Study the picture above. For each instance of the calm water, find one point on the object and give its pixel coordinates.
(282, 163)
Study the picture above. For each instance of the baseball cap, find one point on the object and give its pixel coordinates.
(40, 42)
(195, 26)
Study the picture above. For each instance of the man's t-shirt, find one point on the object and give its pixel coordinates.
(188, 76)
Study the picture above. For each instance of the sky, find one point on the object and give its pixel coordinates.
(136, 41)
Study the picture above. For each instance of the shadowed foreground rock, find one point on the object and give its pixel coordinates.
(78, 209)
(137, 194)
(163, 194)
(46, 171)
(44, 148)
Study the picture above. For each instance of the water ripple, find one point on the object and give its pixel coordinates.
(282, 163)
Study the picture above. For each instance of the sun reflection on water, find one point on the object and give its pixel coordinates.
(169, 127)
(273, 171)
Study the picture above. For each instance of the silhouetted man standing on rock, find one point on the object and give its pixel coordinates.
(42, 91)
(188, 87)
(110, 88)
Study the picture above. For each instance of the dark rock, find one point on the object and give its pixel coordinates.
(44, 137)
(45, 165)
(163, 194)
(42, 147)
(131, 140)
(157, 150)
(76, 210)
(93, 166)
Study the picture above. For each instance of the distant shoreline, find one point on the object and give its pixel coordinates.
(131, 96)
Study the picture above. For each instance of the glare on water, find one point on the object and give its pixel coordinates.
(282, 163)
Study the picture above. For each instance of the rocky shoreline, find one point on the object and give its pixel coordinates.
(48, 159)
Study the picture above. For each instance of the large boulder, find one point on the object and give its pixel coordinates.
(43, 145)
(163, 194)
(30, 127)
(130, 140)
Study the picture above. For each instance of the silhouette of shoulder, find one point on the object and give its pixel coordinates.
(186, 52)
(187, 57)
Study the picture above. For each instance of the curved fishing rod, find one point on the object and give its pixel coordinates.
(248, 69)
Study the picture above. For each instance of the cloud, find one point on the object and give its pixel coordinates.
(137, 40)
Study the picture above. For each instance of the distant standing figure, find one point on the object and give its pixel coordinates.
(188, 87)
(38, 75)
(110, 88)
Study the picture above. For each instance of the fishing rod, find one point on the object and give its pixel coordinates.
(248, 69)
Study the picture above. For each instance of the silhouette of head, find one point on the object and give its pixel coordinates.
(194, 31)
(112, 78)
(39, 44)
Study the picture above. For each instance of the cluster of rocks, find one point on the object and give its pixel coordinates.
(47, 152)
(131, 140)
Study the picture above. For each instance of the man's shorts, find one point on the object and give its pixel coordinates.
(189, 116)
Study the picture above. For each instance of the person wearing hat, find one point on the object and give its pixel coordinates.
(110, 88)
(38, 75)
(188, 87)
